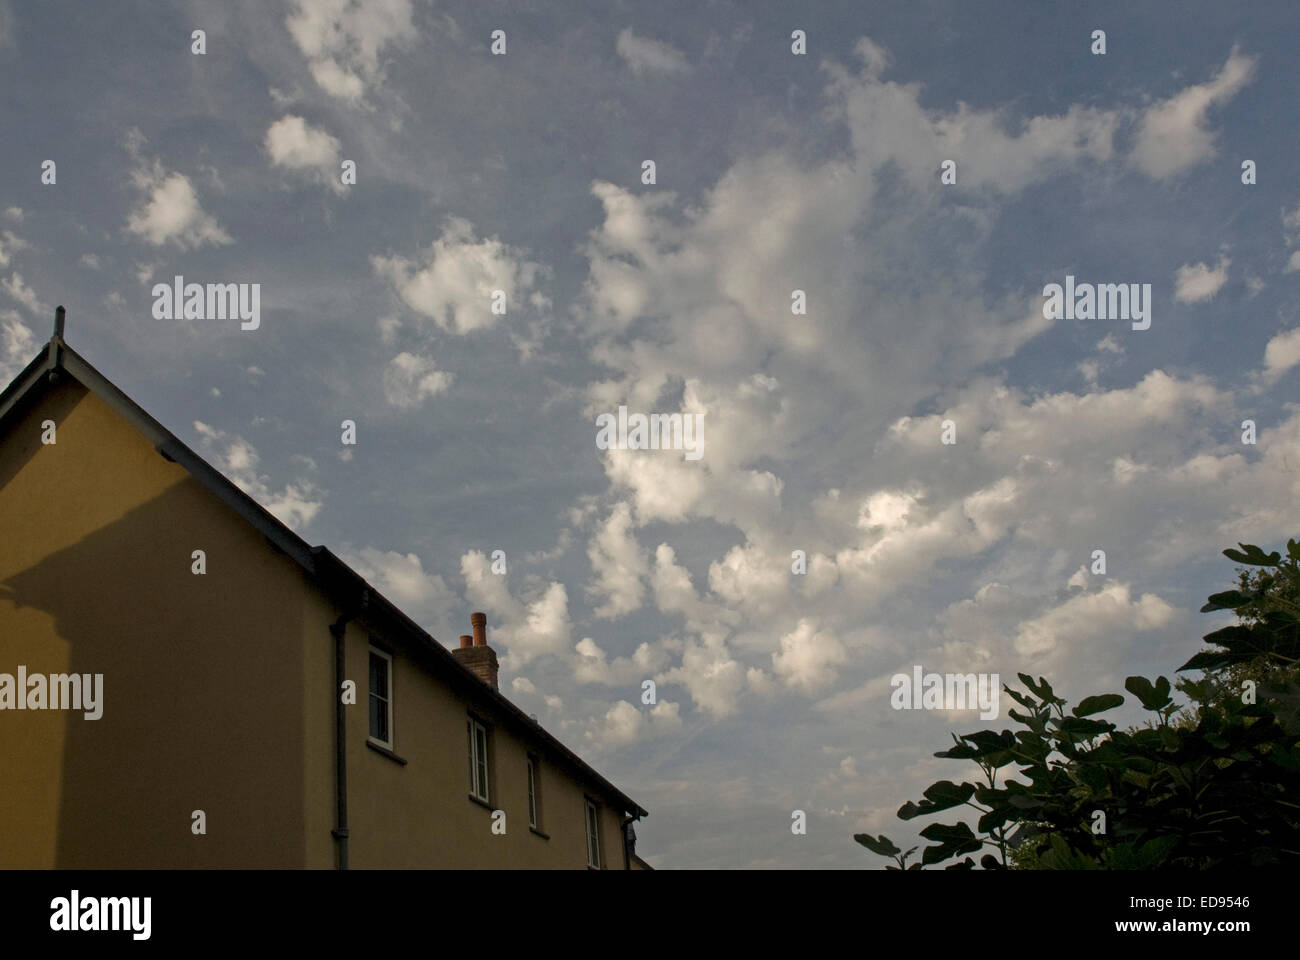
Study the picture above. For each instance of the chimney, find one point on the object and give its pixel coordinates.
(476, 654)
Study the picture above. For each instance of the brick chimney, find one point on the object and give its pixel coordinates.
(476, 654)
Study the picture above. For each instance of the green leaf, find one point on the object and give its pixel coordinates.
(1028, 702)
(995, 818)
(1082, 727)
(1104, 701)
(1253, 556)
(881, 845)
(1208, 660)
(909, 810)
(1034, 688)
(1154, 852)
(1228, 600)
(948, 832)
(1092, 776)
(1152, 697)
(945, 794)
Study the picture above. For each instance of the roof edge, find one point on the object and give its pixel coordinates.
(338, 581)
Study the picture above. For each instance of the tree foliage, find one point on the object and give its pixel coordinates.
(1211, 784)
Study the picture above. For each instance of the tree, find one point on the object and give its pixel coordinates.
(1208, 786)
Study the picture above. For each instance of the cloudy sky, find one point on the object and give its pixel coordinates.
(774, 172)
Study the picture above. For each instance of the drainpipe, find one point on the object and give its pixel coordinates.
(339, 629)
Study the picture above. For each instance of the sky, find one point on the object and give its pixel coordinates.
(521, 174)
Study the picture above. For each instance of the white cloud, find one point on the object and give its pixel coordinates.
(169, 211)
(624, 723)
(454, 281)
(591, 665)
(1281, 354)
(1196, 283)
(808, 657)
(675, 594)
(986, 153)
(522, 630)
(644, 55)
(684, 303)
(1291, 231)
(294, 144)
(16, 287)
(295, 504)
(1084, 618)
(343, 39)
(711, 676)
(409, 380)
(89, 260)
(423, 596)
(17, 345)
(619, 565)
(1173, 134)
(10, 243)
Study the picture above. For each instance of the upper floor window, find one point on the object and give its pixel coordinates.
(593, 834)
(381, 697)
(534, 817)
(478, 759)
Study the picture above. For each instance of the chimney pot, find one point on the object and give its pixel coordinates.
(475, 654)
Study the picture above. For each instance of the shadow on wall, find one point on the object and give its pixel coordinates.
(202, 692)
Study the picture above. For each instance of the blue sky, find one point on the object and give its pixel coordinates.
(774, 172)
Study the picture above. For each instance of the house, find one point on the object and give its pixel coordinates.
(185, 682)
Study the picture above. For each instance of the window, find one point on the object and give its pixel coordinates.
(593, 835)
(534, 819)
(381, 697)
(478, 759)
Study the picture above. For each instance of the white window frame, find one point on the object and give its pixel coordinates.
(480, 790)
(387, 744)
(534, 820)
(593, 833)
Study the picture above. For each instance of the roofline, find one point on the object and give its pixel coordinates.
(338, 581)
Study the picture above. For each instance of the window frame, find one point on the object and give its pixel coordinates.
(534, 795)
(474, 725)
(388, 699)
(592, 820)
